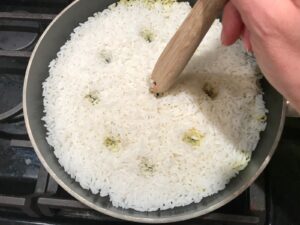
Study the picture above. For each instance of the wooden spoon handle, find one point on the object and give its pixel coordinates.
(184, 43)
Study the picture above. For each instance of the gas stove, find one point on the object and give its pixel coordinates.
(29, 195)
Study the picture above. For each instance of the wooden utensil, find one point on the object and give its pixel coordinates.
(184, 43)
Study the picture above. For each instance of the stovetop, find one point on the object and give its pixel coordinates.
(28, 195)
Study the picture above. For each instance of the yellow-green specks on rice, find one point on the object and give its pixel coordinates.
(115, 138)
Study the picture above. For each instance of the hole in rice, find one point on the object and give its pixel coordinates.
(158, 95)
(148, 35)
(210, 90)
(106, 56)
(93, 97)
(193, 137)
(147, 167)
(112, 143)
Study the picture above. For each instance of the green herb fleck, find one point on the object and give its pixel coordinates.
(239, 165)
(193, 137)
(106, 56)
(93, 97)
(148, 35)
(147, 167)
(262, 118)
(243, 162)
(112, 143)
(201, 189)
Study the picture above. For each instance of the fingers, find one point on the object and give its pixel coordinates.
(244, 6)
(250, 9)
(296, 3)
(232, 25)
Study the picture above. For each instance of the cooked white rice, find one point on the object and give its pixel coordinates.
(115, 138)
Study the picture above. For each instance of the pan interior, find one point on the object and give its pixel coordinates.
(37, 72)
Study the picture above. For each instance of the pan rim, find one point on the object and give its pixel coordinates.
(173, 218)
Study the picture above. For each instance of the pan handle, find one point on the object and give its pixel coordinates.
(291, 112)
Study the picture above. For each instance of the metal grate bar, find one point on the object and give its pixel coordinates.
(27, 16)
(22, 203)
(20, 143)
(17, 54)
(232, 219)
(60, 203)
(42, 180)
(12, 201)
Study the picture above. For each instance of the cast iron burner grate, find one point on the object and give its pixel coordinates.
(28, 195)
(40, 197)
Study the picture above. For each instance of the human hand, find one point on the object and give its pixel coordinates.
(269, 28)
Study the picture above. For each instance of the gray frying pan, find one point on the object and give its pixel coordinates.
(47, 47)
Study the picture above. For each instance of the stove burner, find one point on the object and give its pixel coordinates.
(17, 34)
(11, 113)
(30, 196)
(13, 129)
(10, 96)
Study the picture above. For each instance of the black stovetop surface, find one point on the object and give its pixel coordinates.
(28, 195)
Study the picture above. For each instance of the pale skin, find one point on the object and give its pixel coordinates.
(271, 30)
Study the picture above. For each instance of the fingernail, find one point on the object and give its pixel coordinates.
(247, 47)
(222, 38)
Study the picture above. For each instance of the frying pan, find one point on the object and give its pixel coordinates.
(46, 49)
